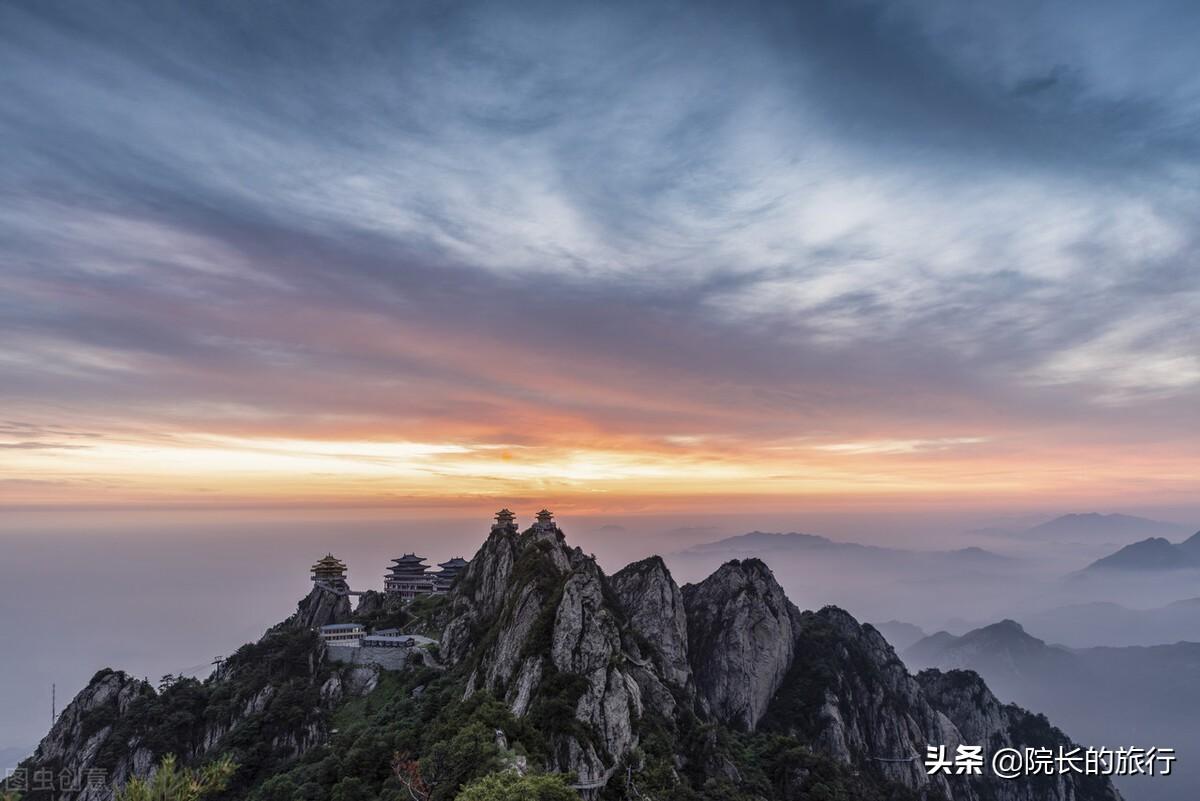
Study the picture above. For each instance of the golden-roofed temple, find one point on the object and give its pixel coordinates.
(505, 519)
(329, 568)
(545, 519)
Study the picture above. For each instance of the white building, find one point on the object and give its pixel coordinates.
(345, 634)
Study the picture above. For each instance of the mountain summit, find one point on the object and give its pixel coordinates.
(1155, 553)
(630, 685)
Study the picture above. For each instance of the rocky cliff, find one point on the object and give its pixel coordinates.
(741, 638)
(85, 734)
(535, 623)
(637, 688)
(655, 610)
(322, 606)
(273, 696)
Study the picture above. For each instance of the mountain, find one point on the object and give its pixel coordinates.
(1106, 696)
(630, 684)
(1104, 623)
(765, 543)
(873, 582)
(1099, 528)
(1002, 651)
(1155, 553)
(899, 634)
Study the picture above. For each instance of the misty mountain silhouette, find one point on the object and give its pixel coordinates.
(1156, 553)
(763, 542)
(1095, 527)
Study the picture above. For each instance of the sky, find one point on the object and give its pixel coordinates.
(610, 257)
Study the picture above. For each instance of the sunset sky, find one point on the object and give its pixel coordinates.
(608, 257)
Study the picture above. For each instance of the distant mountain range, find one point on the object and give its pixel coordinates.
(762, 543)
(1106, 696)
(1099, 528)
(1104, 623)
(900, 635)
(1155, 553)
(875, 582)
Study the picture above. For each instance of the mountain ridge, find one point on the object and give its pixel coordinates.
(1152, 554)
(629, 684)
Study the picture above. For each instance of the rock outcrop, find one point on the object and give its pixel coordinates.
(653, 605)
(537, 625)
(963, 698)
(848, 695)
(321, 607)
(741, 637)
(275, 694)
(81, 734)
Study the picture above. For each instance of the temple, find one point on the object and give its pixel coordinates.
(329, 570)
(443, 579)
(408, 577)
(505, 519)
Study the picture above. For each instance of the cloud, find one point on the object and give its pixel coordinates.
(610, 227)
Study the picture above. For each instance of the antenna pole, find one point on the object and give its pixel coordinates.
(53, 703)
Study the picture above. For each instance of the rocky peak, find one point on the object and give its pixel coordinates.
(965, 701)
(741, 638)
(535, 622)
(81, 731)
(653, 604)
(323, 606)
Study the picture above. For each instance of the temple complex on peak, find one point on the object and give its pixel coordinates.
(408, 577)
(505, 519)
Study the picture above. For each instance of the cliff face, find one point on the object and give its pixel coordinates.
(83, 733)
(970, 706)
(321, 607)
(274, 695)
(850, 696)
(534, 623)
(741, 638)
(654, 606)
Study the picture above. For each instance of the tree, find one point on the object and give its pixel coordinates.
(408, 772)
(511, 787)
(172, 783)
(452, 763)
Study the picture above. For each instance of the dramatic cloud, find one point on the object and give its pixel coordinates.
(439, 249)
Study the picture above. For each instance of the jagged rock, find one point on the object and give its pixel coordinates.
(963, 698)
(536, 623)
(78, 734)
(740, 641)
(654, 607)
(850, 696)
(550, 625)
(371, 602)
(321, 607)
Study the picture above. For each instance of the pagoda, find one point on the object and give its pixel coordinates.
(329, 569)
(408, 577)
(448, 573)
(505, 519)
(545, 520)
